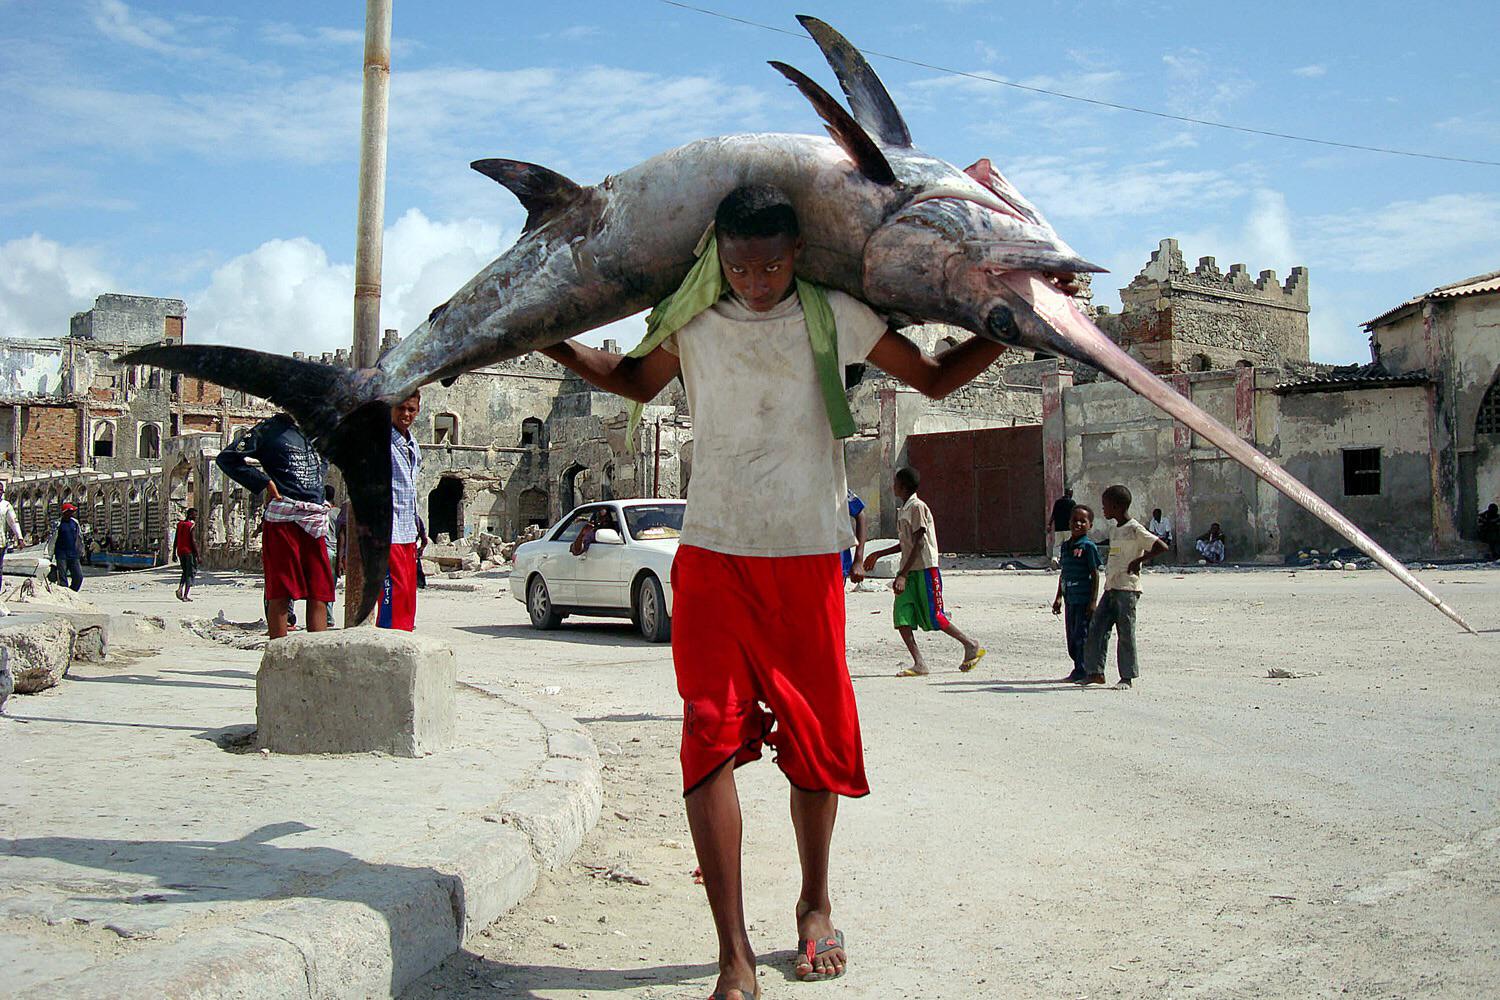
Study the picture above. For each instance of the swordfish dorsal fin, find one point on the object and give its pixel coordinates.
(847, 132)
(544, 193)
(868, 98)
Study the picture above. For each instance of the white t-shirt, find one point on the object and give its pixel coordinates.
(768, 474)
(1127, 543)
(1160, 528)
(916, 514)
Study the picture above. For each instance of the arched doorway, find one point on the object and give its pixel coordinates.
(570, 498)
(445, 508)
(532, 509)
(1486, 456)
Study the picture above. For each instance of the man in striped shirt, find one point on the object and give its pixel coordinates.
(398, 594)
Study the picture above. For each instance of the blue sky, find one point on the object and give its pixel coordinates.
(174, 149)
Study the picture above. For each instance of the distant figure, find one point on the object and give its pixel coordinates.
(1489, 529)
(185, 548)
(919, 582)
(398, 594)
(598, 519)
(1078, 586)
(67, 548)
(854, 559)
(1062, 517)
(1160, 525)
(1131, 546)
(1210, 545)
(10, 528)
(295, 524)
(422, 541)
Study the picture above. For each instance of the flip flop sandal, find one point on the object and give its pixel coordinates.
(810, 948)
(909, 672)
(724, 994)
(973, 661)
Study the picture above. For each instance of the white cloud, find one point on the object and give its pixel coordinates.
(1096, 189)
(116, 20)
(281, 33)
(1458, 233)
(287, 295)
(1262, 239)
(43, 282)
(578, 32)
(1310, 72)
(1201, 86)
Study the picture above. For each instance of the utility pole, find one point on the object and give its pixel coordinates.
(367, 241)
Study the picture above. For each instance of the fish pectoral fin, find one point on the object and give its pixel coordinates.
(544, 193)
(868, 98)
(848, 133)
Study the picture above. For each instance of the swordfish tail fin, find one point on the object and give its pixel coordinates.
(339, 408)
(1074, 335)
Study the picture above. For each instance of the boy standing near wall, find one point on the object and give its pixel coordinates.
(757, 588)
(1131, 546)
(1078, 586)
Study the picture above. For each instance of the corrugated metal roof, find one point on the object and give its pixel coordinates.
(1338, 379)
(1477, 285)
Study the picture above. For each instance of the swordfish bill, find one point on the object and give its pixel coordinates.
(914, 236)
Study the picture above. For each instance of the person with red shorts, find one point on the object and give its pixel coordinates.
(296, 525)
(757, 584)
(398, 593)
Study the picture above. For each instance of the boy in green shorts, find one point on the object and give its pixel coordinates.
(919, 581)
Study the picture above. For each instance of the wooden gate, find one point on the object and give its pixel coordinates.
(985, 488)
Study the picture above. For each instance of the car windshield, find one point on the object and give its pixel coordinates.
(655, 521)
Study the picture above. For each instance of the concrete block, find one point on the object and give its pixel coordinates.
(356, 690)
(41, 648)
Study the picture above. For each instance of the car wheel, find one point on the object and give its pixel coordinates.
(651, 611)
(539, 604)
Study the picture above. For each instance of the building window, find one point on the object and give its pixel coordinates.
(1362, 472)
(150, 443)
(1488, 421)
(531, 433)
(104, 439)
(445, 429)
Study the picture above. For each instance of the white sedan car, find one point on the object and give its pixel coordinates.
(609, 560)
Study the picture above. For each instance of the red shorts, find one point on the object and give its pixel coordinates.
(758, 644)
(295, 563)
(398, 594)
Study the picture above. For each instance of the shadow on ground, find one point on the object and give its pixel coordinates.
(249, 868)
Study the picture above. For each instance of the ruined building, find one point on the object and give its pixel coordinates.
(76, 426)
(1404, 444)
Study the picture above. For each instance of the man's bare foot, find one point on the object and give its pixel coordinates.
(816, 925)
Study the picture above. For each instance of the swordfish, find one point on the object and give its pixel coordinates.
(914, 236)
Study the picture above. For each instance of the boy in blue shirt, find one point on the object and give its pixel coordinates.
(1078, 585)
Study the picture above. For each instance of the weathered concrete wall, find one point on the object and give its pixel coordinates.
(30, 367)
(130, 319)
(1313, 432)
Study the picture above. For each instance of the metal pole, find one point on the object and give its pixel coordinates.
(367, 243)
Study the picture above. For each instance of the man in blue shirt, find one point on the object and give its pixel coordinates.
(398, 593)
(67, 549)
(1078, 584)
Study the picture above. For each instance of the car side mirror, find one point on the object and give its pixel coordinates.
(608, 536)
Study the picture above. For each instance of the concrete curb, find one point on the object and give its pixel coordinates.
(372, 932)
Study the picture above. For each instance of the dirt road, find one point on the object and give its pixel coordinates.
(1211, 833)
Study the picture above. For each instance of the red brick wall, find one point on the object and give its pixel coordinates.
(49, 438)
(198, 422)
(197, 392)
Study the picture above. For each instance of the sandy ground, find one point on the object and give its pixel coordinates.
(1211, 833)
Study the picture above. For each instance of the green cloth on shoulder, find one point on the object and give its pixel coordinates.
(705, 285)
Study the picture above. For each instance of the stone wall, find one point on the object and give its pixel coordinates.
(1176, 319)
(130, 319)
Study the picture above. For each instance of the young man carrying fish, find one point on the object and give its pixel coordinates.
(759, 607)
